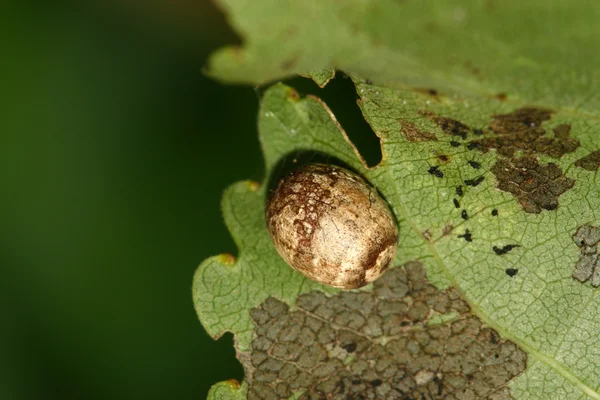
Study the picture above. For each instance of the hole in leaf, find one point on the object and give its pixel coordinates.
(341, 97)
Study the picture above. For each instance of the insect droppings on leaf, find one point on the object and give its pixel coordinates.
(504, 249)
(511, 271)
(459, 191)
(464, 215)
(456, 203)
(474, 164)
(467, 236)
(435, 170)
(494, 212)
(474, 182)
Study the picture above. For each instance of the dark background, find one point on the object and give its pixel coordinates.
(114, 153)
(115, 150)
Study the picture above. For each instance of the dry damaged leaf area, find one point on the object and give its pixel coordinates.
(403, 340)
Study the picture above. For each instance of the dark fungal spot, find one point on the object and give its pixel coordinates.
(473, 145)
(474, 182)
(478, 132)
(536, 187)
(459, 191)
(464, 215)
(467, 236)
(495, 212)
(511, 271)
(591, 162)
(414, 134)
(522, 130)
(454, 143)
(504, 249)
(294, 349)
(474, 164)
(456, 203)
(435, 170)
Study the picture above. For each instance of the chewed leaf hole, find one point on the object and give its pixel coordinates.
(341, 97)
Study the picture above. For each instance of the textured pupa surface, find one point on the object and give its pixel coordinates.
(332, 226)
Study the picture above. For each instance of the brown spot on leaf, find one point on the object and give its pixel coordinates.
(522, 130)
(396, 352)
(591, 162)
(447, 229)
(443, 158)
(412, 133)
(448, 125)
(536, 187)
(501, 96)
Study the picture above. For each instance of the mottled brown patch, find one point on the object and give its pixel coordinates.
(412, 133)
(591, 162)
(388, 343)
(536, 187)
(447, 229)
(501, 96)
(448, 125)
(522, 130)
(587, 267)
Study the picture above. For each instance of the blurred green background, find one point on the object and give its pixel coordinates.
(115, 152)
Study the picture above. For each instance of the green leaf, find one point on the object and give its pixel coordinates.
(538, 51)
(509, 245)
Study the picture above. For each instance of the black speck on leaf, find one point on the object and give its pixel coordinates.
(474, 164)
(454, 143)
(464, 215)
(435, 170)
(511, 271)
(456, 203)
(494, 212)
(474, 182)
(459, 190)
(467, 236)
(504, 249)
